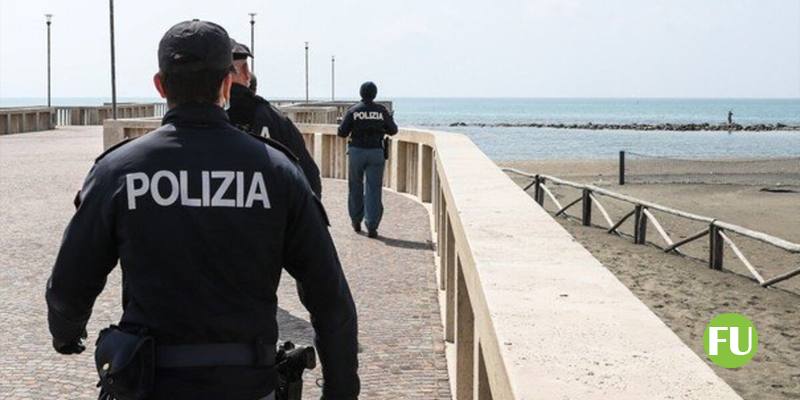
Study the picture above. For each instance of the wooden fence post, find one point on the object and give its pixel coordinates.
(538, 193)
(715, 247)
(622, 167)
(586, 217)
(639, 225)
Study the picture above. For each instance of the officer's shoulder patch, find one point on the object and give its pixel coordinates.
(278, 146)
(112, 148)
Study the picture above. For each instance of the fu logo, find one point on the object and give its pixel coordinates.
(730, 340)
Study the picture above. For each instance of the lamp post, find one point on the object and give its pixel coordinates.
(306, 72)
(333, 78)
(48, 20)
(252, 40)
(113, 62)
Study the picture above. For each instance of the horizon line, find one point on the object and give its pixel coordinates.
(301, 98)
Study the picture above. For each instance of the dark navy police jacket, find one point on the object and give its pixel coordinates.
(366, 123)
(202, 218)
(253, 114)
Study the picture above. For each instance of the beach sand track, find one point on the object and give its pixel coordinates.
(683, 291)
(686, 294)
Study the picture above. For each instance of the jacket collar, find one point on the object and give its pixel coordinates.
(196, 114)
(243, 93)
(238, 91)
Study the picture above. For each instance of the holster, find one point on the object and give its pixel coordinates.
(125, 363)
(386, 144)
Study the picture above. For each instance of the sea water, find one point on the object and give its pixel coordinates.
(548, 143)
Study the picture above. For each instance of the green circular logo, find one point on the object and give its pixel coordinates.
(730, 340)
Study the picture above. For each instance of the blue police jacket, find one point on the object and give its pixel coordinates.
(366, 123)
(202, 218)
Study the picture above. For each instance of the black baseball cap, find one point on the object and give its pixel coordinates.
(368, 91)
(240, 51)
(195, 46)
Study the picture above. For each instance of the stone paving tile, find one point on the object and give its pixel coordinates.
(392, 280)
(393, 283)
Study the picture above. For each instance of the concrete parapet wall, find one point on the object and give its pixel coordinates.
(115, 131)
(343, 106)
(131, 127)
(26, 119)
(96, 115)
(310, 114)
(31, 119)
(530, 313)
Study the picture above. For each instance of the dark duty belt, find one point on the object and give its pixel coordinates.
(215, 355)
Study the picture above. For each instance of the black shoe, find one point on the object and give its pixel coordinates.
(373, 233)
(357, 227)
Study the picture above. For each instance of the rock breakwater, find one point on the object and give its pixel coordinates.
(638, 126)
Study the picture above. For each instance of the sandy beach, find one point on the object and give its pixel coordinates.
(683, 291)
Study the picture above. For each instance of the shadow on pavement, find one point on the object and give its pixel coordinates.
(406, 244)
(294, 329)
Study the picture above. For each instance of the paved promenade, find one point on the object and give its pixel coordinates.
(392, 280)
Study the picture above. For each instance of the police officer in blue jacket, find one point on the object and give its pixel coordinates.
(202, 218)
(254, 114)
(366, 123)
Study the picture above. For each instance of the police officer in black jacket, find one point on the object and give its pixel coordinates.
(253, 114)
(201, 217)
(366, 123)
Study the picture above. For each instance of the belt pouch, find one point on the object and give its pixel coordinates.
(125, 363)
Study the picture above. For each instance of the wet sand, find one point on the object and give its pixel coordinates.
(683, 291)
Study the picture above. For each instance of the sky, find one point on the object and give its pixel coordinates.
(427, 48)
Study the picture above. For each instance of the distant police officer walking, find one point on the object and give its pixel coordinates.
(255, 115)
(366, 123)
(201, 217)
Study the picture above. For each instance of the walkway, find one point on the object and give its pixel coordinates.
(392, 280)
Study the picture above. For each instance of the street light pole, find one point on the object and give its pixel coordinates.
(333, 78)
(113, 63)
(48, 18)
(252, 41)
(306, 72)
